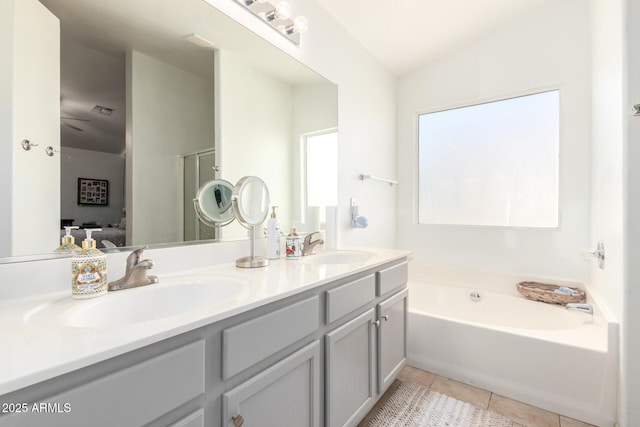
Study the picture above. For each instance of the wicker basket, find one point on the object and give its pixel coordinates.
(544, 292)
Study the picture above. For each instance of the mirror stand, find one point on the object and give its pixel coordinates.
(252, 261)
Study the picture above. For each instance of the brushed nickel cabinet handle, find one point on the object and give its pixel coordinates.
(385, 317)
(238, 421)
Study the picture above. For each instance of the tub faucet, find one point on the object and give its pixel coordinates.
(585, 308)
(136, 272)
(308, 246)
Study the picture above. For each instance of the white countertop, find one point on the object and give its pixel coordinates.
(37, 346)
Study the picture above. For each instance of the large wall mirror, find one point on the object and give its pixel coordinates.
(148, 105)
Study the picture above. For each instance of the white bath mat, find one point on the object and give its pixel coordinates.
(414, 405)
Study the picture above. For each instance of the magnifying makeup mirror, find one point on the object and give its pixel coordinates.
(213, 203)
(250, 199)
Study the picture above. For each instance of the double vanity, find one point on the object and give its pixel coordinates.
(313, 342)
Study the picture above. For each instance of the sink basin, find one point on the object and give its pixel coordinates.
(338, 257)
(171, 297)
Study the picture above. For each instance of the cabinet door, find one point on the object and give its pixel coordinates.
(350, 370)
(285, 395)
(392, 338)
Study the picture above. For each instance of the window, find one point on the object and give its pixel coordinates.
(492, 164)
(321, 170)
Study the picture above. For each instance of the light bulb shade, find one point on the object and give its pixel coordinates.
(283, 10)
(300, 24)
(277, 14)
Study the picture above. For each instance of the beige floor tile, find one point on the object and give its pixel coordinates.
(522, 413)
(416, 376)
(570, 422)
(516, 425)
(473, 395)
(372, 413)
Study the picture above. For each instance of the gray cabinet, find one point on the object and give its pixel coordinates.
(132, 396)
(366, 354)
(350, 370)
(286, 394)
(392, 338)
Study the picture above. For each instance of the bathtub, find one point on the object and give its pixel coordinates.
(541, 354)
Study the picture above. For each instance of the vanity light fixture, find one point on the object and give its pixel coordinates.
(281, 12)
(278, 16)
(300, 25)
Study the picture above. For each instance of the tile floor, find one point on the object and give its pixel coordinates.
(521, 414)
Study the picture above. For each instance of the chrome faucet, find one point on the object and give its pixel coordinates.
(136, 272)
(585, 308)
(308, 246)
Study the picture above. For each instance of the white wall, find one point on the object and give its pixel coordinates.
(169, 114)
(550, 48)
(630, 372)
(76, 163)
(606, 151)
(607, 220)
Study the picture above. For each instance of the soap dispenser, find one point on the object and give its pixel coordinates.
(89, 270)
(293, 245)
(68, 245)
(273, 235)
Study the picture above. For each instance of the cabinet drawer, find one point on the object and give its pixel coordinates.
(250, 342)
(392, 278)
(347, 298)
(195, 419)
(133, 396)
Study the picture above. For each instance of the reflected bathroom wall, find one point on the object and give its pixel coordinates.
(269, 116)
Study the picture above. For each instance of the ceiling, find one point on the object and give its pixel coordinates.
(406, 34)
